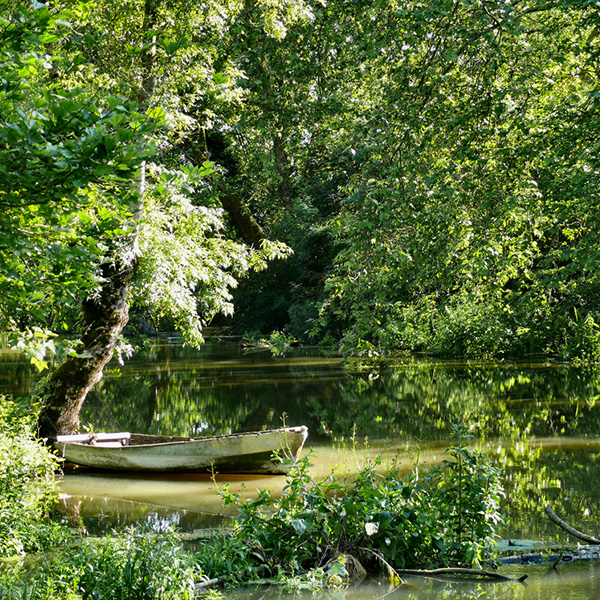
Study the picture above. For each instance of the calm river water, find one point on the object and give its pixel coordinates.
(539, 420)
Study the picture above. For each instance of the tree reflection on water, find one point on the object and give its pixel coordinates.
(539, 420)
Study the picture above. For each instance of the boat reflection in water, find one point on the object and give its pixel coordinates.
(114, 500)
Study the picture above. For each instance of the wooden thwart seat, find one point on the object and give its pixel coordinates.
(121, 438)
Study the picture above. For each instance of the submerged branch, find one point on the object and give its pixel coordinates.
(479, 573)
(588, 539)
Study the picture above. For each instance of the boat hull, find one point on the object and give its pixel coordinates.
(235, 453)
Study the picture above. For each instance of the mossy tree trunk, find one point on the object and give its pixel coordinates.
(69, 385)
(251, 231)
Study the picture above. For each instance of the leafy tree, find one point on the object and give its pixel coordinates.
(426, 164)
(67, 162)
(466, 229)
(87, 218)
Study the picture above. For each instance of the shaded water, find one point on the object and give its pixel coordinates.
(572, 582)
(539, 420)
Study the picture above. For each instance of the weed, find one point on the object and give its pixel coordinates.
(26, 482)
(442, 516)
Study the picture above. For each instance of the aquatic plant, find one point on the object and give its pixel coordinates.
(443, 516)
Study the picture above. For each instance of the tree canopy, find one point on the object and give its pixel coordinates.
(432, 165)
(91, 175)
(444, 160)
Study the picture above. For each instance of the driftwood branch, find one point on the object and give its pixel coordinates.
(479, 573)
(588, 539)
(557, 561)
(206, 584)
(561, 555)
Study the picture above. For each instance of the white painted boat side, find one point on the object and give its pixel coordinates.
(243, 453)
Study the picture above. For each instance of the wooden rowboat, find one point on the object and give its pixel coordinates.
(251, 452)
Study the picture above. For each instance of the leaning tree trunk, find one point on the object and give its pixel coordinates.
(251, 231)
(69, 385)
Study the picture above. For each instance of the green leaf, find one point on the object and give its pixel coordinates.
(299, 525)
(102, 170)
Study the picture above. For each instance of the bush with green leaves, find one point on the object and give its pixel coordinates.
(427, 518)
(26, 482)
(140, 565)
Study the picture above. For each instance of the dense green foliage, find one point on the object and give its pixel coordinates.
(443, 166)
(432, 165)
(137, 565)
(26, 483)
(41, 558)
(67, 158)
(443, 516)
(91, 177)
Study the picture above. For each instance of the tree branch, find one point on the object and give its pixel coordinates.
(479, 573)
(588, 539)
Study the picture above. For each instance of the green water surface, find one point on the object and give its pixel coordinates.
(539, 420)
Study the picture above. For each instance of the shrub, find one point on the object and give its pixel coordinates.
(140, 565)
(472, 326)
(581, 339)
(468, 494)
(26, 482)
(443, 516)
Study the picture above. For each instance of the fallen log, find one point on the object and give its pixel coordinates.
(479, 573)
(539, 558)
(206, 584)
(588, 539)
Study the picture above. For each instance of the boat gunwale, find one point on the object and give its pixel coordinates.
(180, 440)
